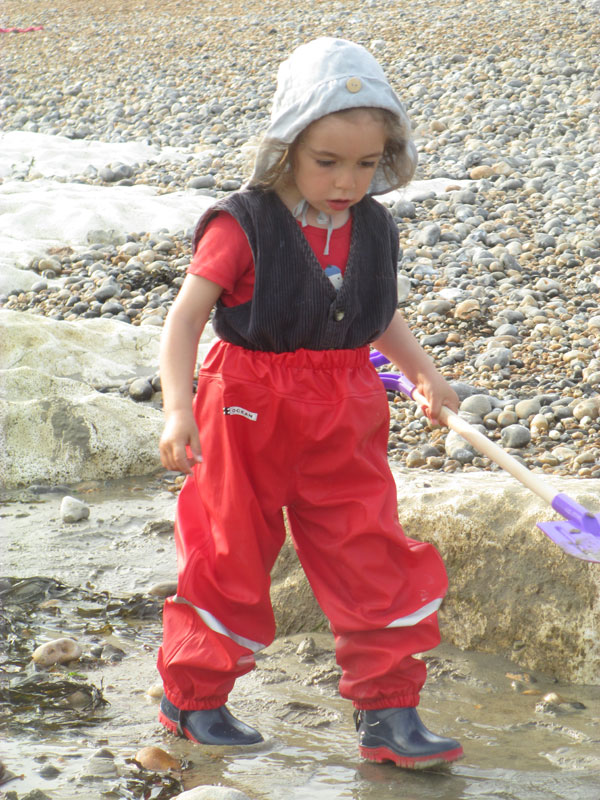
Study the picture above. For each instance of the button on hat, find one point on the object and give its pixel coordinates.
(354, 85)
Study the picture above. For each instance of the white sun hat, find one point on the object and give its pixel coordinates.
(318, 78)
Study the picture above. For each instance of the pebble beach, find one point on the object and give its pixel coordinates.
(499, 279)
(500, 274)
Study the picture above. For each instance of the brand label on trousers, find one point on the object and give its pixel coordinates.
(240, 412)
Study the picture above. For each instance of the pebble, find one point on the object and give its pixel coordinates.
(73, 510)
(99, 767)
(141, 389)
(164, 589)
(415, 459)
(49, 772)
(307, 649)
(458, 448)
(500, 279)
(157, 760)
(587, 408)
(516, 436)
(57, 651)
(525, 408)
(212, 793)
(478, 404)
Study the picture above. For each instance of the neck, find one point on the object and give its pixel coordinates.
(291, 198)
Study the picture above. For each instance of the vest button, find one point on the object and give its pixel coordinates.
(339, 315)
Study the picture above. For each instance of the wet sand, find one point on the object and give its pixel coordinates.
(517, 746)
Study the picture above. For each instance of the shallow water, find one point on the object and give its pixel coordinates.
(512, 750)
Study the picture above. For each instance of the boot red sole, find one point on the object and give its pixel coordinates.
(172, 726)
(381, 754)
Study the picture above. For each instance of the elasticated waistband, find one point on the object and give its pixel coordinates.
(304, 359)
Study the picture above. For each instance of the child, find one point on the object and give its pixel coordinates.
(290, 413)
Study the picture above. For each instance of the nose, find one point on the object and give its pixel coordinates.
(344, 178)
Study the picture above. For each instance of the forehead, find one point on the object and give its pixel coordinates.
(359, 129)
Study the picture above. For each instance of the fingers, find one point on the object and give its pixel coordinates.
(177, 455)
(194, 451)
(432, 412)
(174, 458)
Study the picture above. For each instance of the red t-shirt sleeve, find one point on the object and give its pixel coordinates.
(224, 256)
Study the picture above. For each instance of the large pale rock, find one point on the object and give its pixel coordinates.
(54, 425)
(512, 590)
(99, 352)
(12, 278)
(57, 430)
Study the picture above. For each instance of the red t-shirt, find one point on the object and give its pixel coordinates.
(224, 255)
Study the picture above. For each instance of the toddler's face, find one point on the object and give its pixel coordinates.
(336, 158)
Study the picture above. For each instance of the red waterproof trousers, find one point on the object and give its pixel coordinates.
(306, 430)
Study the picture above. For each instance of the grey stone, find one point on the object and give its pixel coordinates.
(525, 408)
(434, 339)
(202, 182)
(516, 436)
(106, 292)
(477, 404)
(464, 390)
(404, 209)
(506, 330)
(231, 185)
(111, 307)
(429, 236)
(455, 443)
(141, 389)
(494, 356)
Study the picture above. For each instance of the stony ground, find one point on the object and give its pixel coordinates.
(77, 730)
(501, 280)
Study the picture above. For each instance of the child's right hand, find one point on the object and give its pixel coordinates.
(179, 441)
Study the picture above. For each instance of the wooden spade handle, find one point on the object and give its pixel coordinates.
(493, 451)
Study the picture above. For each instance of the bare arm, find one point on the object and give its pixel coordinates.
(178, 351)
(400, 346)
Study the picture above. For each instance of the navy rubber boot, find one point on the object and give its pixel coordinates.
(208, 726)
(398, 735)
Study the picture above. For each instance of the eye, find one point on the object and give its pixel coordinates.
(324, 162)
(368, 164)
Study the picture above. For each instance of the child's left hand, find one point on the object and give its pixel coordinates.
(438, 392)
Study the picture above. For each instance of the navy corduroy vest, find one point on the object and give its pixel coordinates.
(294, 304)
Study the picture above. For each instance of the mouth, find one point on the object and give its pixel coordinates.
(339, 205)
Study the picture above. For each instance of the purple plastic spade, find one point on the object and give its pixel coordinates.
(578, 534)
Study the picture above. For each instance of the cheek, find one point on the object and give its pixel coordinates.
(312, 178)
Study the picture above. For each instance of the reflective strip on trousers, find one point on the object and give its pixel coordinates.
(213, 623)
(416, 616)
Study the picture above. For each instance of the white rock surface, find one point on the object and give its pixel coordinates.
(98, 352)
(43, 212)
(55, 426)
(25, 152)
(58, 430)
(40, 214)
